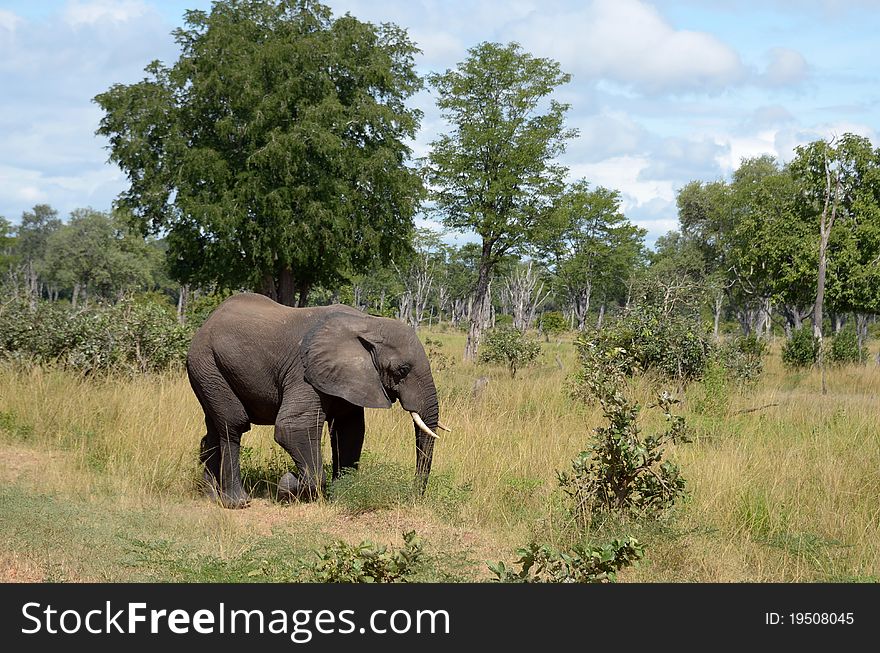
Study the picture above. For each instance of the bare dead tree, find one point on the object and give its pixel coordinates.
(417, 283)
(524, 292)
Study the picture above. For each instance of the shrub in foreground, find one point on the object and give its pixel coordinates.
(545, 564)
(367, 562)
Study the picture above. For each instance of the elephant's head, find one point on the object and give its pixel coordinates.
(373, 362)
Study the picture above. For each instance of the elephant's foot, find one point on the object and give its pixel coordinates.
(235, 500)
(291, 488)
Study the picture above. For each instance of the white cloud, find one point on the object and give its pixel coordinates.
(606, 134)
(622, 173)
(747, 147)
(769, 115)
(786, 140)
(630, 42)
(23, 186)
(438, 47)
(681, 159)
(80, 13)
(785, 67)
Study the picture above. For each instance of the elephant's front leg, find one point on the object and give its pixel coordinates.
(299, 432)
(347, 440)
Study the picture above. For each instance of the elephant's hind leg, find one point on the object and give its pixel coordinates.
(209, 456)
(226, 420)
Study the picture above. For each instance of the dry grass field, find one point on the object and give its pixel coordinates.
(98, 480)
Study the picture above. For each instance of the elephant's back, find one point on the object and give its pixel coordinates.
(252, 339)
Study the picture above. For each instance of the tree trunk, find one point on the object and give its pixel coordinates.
(582, 305)
(268, 288)
(75, 295)
(861, 329)
(601, 315)
(826, 223)
(762, 319)
(182, 300)
(286, 287)
(717, 308)
(304, 289)
(481, 311)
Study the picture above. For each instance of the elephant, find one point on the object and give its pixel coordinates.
(255, 361)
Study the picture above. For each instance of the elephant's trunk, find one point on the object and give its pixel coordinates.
(424, 405)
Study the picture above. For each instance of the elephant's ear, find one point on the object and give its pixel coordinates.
(338, 359)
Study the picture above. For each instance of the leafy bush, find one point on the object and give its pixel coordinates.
(743, 358)
(199, 308)
(801, 350)
(552, 323)
(510, 347)
(711, 396)
(367, 562)
(645, 338)
(544, 564)
(262, 470)
(622, 470)
(378, 485)
(845, 348)
(131, 335)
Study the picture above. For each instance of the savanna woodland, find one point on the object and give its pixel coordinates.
(701, 410)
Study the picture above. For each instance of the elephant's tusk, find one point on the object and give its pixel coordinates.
(421, 424)
(443, 426)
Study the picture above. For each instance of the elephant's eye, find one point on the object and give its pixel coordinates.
(400, 371)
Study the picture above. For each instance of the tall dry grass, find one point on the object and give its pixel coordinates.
(786, 492)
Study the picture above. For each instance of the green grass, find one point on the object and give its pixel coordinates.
(100, 483)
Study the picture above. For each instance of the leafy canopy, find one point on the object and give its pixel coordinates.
(274, 150)
(495, 172)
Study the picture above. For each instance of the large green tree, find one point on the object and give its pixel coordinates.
(495, 172)
(273, 152)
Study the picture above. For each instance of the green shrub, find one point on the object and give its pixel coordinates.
(260, 474)
(544, 564)
(367, 562)
(801, 350)
(510, 347)
(743, 358)
(503, 320)
(711, 396)
(200, 308)
(552, 323)
(623, 471)
(134, 335)
(378, 485)
(845, 348)
(674, 345)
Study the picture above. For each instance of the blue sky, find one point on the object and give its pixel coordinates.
(662, 92)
